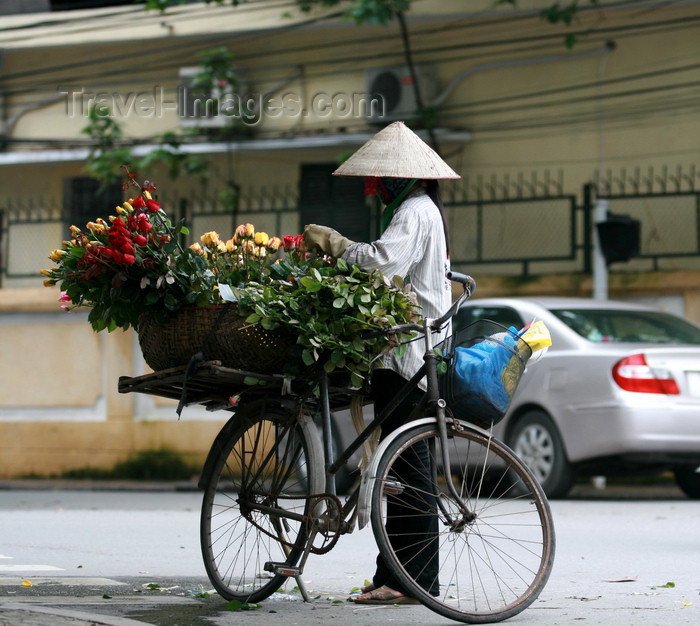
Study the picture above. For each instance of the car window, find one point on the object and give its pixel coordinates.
(601, 325)
(506, 316)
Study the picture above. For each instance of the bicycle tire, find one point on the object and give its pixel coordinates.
(491, 567)
(258, 464)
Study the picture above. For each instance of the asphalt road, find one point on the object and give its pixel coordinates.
(121, 558)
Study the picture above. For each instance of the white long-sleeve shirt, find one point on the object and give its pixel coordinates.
(412, 247)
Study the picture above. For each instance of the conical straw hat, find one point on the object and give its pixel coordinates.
(396, 152)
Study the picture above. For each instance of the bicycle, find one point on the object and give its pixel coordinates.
(269, 497)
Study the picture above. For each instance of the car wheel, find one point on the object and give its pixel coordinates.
(536, 440)
(688, 479)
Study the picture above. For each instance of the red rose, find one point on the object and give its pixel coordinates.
(144, 225)
(153, 206)
(140, 240)
(288, 242)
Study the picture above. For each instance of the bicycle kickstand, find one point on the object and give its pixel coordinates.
(292, 571)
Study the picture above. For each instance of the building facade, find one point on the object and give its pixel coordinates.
(542, 134)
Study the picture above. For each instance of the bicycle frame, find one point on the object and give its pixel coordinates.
(431, 405)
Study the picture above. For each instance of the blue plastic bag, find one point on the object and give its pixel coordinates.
(478, 376)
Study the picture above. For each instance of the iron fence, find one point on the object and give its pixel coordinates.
(515, 226)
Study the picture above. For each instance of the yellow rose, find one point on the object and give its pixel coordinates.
(210, 239)
(261, 238)
(221, 246)
(249, 230)
(230, 245)
(274, 244)
(49, 282)
(57, 255)
(45, 272)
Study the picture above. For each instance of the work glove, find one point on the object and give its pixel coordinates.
(325, 239)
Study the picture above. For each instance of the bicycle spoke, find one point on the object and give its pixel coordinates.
(494, 557)
(265, 460)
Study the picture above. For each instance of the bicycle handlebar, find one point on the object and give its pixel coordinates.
(469, 285)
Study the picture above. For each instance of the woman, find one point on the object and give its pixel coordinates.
(403, 170)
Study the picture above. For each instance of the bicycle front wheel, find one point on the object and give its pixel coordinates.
(255, 499)
(480, 565)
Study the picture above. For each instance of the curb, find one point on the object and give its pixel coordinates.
(48, 484)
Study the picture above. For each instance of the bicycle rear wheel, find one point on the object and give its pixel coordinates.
(271, 460)
(492, 560)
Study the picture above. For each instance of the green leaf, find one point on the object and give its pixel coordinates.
(307, 357)
(339, 303)
(310, 284)
(356, 380)
(337, 357)
(253, 318)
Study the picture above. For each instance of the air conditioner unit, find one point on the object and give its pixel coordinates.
(393, 92)
(217, 110)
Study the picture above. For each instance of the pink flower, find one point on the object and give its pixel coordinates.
(64, 298)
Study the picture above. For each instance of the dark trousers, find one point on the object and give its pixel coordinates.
(413, 535)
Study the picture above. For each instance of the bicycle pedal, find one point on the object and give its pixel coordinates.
(282, 568)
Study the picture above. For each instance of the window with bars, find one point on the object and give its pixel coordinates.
(85, 199)
(335, 201)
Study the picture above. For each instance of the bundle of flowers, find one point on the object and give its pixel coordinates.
(137, 263)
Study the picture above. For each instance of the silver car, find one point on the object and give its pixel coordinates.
(618, 391)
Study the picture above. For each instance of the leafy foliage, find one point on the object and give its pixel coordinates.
(137, 264)
(329, 305)
(110, 150)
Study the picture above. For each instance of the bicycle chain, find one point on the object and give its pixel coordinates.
(306, 519)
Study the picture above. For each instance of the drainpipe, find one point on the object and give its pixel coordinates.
(600, 213)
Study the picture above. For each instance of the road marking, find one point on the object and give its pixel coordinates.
(30, 568)
(61, 580)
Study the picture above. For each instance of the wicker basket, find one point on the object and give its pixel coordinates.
(172, 341)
